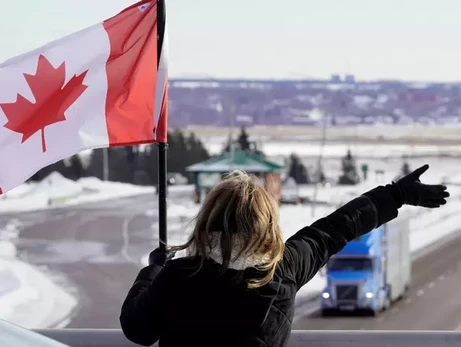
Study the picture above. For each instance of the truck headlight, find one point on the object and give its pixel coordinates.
(325, 295)
(369, 295)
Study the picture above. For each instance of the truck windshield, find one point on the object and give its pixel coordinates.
(350, 264)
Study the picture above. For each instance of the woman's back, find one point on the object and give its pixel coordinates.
(206, 309)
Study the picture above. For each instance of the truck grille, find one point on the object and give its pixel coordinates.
(346, 292)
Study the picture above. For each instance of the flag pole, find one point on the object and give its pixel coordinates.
(162, 194)
(162, 146)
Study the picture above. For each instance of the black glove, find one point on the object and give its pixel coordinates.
(160, 257)
(410, 191)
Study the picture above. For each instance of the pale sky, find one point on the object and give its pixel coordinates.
(407, 39)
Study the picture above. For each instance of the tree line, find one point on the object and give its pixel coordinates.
(349, 176)
(138, 164)
(132, 164)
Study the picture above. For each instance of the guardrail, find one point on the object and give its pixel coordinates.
(327, 338)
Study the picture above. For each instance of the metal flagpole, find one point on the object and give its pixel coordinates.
(162, 146)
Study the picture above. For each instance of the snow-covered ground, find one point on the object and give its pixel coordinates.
(29, 296)
(56, 190)
(372, 150)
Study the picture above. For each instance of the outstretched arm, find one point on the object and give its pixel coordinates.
(311, 247)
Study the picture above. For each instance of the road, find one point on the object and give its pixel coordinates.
(433, 302)
(93, 250)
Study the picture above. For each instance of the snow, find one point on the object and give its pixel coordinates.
(24, 288)
(312, 147)
(56, 190)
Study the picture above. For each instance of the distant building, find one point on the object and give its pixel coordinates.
(210, 172)
(419, 96)
(349, 79)
(335, 79)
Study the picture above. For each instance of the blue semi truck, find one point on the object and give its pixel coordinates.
(370, 272)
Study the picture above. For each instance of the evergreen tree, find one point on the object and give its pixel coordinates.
(177, 158)
(405, 168)
(196, 150)
(243, 140)
(350, 175)
(76, 168)
(149, 164)
(243, 143)
(95, 167)
(131, 165)
(319, 174)
(297, 170)
(119, 165)
(59, 166)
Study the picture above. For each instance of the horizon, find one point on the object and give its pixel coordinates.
(310, 80)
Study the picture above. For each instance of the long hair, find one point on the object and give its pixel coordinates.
(238, 220)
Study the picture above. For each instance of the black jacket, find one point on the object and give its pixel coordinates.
(209, 310)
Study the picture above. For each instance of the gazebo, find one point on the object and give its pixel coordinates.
(210, 172)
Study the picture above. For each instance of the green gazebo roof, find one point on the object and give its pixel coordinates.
(243, 160)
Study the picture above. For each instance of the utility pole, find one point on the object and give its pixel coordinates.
(231, 134)
(231, 105)
(105, 163)
(320, 160)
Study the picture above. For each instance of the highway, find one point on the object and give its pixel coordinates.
(95, 251)
(432, 303)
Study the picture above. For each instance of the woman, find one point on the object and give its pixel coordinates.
(237, 286)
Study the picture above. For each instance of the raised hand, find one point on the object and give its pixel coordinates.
(413, 192)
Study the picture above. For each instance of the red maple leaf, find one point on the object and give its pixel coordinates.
(52, 99)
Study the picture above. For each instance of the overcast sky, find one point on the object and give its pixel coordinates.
(407, 39)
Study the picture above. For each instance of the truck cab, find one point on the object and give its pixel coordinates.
(370, 272)
(355, 276)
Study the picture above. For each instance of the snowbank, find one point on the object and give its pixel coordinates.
(25, 289)
(56, 190)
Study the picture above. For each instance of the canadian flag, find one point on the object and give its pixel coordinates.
(103, 86)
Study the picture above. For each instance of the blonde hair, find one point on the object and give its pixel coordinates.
(240, 211)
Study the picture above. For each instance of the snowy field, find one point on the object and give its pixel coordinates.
(21, 284)
(313, 149)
